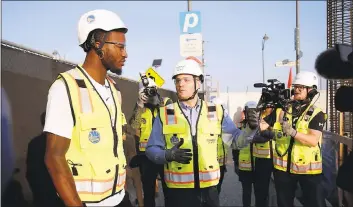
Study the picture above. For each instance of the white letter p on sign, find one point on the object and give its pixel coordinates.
(187, 24)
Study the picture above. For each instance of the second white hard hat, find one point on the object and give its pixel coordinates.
(188, 67)
(250, 105)
(98, 19)
(306, 78)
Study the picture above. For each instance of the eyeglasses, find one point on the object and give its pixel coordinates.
(300, 87)
(120, 45)
(186, 80)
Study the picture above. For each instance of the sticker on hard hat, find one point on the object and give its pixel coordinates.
(90, 18)
(94, 136)
(155, 77)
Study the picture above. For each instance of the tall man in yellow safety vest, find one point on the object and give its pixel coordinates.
(145, 112)
(297, 156)
(184, 138)
(84, 152)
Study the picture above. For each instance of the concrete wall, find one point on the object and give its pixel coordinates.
(26, 77)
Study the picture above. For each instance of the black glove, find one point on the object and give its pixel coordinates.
(252, 118)
(176, 154)
(263, 137)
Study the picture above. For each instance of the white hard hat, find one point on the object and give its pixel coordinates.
(217, 101)
(250, 105)
(98, 19)
(306, 78)
(188, 67)
(151, 83)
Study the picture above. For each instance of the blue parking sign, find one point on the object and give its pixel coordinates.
(190, 22)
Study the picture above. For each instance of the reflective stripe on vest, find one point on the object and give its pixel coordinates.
(298, 169)
(263, 150)
(99, 187)
(169, 113)
(94, 139)
(304, 159)
(175, 126)
(188, 177)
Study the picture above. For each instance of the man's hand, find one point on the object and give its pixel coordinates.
(264, 136)
(176, 154)
(142, 99)
(288, 129)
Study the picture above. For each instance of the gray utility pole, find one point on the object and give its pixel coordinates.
(297, 38)
(189, 5)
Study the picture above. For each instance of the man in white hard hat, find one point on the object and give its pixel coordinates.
(145, 112)
(84, 153)
(184, 138)
(297, 156)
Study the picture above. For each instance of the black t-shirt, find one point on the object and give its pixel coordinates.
(316, 123)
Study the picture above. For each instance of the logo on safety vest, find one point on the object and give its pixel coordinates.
(174, 140)
(143, 121)
(279, 134)
(94, 136)
(211, 141)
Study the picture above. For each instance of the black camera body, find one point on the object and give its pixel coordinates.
(150, 91)
(274, 95)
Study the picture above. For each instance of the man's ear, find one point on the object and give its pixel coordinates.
(198, 84)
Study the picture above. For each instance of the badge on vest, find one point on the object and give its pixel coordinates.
(143, 121)
(174, 139)
(94, 136)
(279, 134)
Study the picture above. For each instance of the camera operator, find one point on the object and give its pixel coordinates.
(146, 110)
(297, 156)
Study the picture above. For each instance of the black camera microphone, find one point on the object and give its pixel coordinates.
(344, 99)
(260, 85)
(336, 63)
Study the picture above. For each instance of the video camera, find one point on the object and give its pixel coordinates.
(274, 95)
(150, 91)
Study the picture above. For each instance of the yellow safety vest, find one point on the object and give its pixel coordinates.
(304, 159)
(203, 170)
(245, 163)
(95, 156)
(146, 125)
(263, 150)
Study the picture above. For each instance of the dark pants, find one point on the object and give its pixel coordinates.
(125, 202)
(235, 154)
(262, 176)
(247, 179)
(149, 172)
(223, 170)
(189, 197)
(286, 184)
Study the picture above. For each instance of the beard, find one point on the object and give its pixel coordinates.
(117, 71)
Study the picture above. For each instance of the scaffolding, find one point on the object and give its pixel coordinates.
(339, 30)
